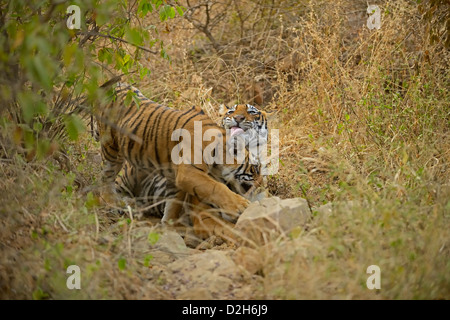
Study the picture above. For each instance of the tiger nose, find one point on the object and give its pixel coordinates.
(239, 118)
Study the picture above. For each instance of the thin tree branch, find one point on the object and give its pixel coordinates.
(98, 34)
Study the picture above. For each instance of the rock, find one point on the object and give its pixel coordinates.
(196, 294)
(249, 259)
(205, 275)
(191, 239)
(324, 210)
(170, 241)
(269, 218)
(169, 247)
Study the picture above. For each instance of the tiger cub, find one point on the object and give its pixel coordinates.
(141, 135)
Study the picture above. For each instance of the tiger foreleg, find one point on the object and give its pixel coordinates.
(198, 183)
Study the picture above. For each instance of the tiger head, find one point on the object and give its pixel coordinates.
(245, 120)
(247, 123)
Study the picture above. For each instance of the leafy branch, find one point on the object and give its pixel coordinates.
(48, 69)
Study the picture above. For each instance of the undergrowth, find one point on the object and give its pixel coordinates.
(363, 117)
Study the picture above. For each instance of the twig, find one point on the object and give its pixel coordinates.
(97, 225)
(61, 223)
(98, 34)
(129, 230)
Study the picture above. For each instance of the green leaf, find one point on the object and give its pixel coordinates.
(131, 96)
(144, 7)
(91, 201)
(164, 54)
(157, 3)
(38, 294)
(118, 59)
(43, 146)
(103, 14)
(40, 71)
(143, 72)
(122, 263)
(153, 238)
(69, 53)
(133, 36)
(171, 13)
(105, 54)
(29, 139)
(180, 10)
(31, 105)
(147, 260)
(74, 126)
(166, 12)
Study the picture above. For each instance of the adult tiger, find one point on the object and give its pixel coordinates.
(150, 190)
(142, 136)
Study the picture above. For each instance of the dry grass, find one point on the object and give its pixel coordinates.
(363, 116)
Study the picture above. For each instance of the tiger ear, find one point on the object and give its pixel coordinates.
(223, 109)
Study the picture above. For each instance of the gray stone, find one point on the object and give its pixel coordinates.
(269, 218)
(171, 241)
(204, 275)
(324, 210)
(249, 259)
(169, 247)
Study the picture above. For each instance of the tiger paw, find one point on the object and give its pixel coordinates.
(232, 211)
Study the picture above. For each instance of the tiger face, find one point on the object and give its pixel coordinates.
(245, 120)
(248, 124)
